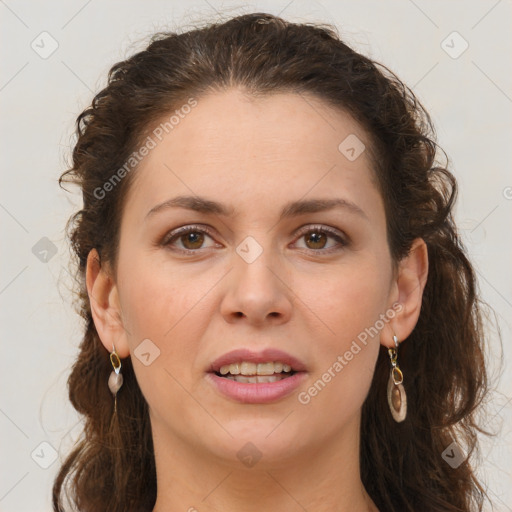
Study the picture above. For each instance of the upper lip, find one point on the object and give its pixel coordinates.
(263, 356)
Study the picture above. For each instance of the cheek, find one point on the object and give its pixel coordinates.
(348, 304)
(169, 308)
(346, 299)
(156, 296)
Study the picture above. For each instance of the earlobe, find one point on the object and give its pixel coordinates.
(105, 307)
(410, 283)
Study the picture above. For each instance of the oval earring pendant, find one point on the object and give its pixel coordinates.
(115, 382)
(397, 400)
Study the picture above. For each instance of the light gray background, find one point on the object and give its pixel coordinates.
(469, 97)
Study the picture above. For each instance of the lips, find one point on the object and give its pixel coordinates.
(265, 356)
(262, 386)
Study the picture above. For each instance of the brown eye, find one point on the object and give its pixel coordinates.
(192, 240)
(317, 240)
(189, 239)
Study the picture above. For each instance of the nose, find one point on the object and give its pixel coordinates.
(257, 292)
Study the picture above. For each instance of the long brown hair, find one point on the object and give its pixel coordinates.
(112, 467)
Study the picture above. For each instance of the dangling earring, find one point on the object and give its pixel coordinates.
(397, 399)
(115, 380)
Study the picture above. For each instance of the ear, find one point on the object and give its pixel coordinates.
(407, 290)
(105, 306)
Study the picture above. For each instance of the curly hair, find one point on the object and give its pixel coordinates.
(112, 467)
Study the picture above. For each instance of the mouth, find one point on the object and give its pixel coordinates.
(254, 373)
(256, 377)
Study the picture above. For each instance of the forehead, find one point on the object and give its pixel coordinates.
(256, 151)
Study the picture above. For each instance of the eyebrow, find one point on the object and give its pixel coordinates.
(291, 209)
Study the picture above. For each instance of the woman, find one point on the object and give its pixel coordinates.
(279, 313)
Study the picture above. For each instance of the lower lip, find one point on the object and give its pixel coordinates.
(258, 392)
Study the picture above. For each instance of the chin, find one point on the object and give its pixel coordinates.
(270, 439)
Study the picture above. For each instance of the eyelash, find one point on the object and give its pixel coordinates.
(175, 235)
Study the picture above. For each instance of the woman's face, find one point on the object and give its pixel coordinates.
(265, 270)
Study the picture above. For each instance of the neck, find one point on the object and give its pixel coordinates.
(323, 479)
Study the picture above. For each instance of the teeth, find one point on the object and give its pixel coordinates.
(265, 369)
(252, 369)
(248, 368)
(257, 378)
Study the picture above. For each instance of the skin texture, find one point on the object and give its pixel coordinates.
(255, 155)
